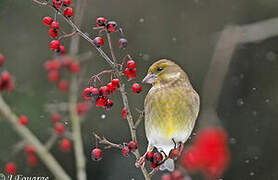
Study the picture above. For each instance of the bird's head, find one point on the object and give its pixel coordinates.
(164, 71)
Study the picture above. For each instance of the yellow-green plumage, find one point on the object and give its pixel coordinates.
(171, 107)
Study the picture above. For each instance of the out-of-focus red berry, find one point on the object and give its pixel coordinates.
(61, 51)
(111, 26)
(63, 85)
(149, 156)
(55, 45)
(125, 151)
(29, 150)
(55, 117)
(59, 128)
(2, 59)
(66, 2)
(101, 101)
(65, 145)
(6, 76)
(100, 21)
(131, 64)
(74, 67)
(53, 76)
(157, 157)
(115, 83)
(122, 43)
(47, 21)
(96, 154)
(83, 107)
(176, 174)
(52, 65)
(23, 120)
(124, 113)
(136, 88)
(132, 145)
(6, 82)
(67, 60)
(68, 12)
(10, 168)
(98, 41)
(109, 104)
(166, 176)
(32, 160)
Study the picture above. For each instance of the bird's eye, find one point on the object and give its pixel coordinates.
(159, 69)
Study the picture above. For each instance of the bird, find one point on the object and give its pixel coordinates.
(171, 108)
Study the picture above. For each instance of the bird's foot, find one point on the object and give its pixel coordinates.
(141, 162)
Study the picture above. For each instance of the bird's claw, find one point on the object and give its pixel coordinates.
(140, 162)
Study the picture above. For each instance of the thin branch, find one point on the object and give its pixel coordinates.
(50, 142)
(67, 35)
(27, 135)
(103, 140)
(139, 120)
(110, 46)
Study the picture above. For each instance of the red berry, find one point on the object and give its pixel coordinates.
(68, 12)
(2, 59)
(52, 65)
(6, 76)
(94, 92)
(66, 2)
(61, 51)
(98, 41)
(115, 83)
(110, 87)
(154, 165)
(54, 45)
(124, 113)
(53, 76)
(90, 92)
(101, 101)
(100, 21)
(131, 73)
(65, 145)
(47, 21)
(10, 168)
(109, 104)
(136, 88)
(29, 150)
(83, 107)
(53, 33)
(174, 154)
(96, 154)
(87, 93)
(54, 25)
(125, 151)
(157, 157)
(57, 3)
(176, 174)
(74, 67)
(132, 145)
(111, 26)
(59, 129)
(32, 160)
(23, 120)
(55, 118)
(63, 86)
(131, 64)
(166, 177)
(122, 43)
(103, 91)
(149, 156)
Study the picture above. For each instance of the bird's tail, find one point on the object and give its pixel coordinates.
(168, 165)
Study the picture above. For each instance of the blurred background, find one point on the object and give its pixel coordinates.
(184, 31)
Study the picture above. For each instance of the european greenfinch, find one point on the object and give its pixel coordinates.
(171, 108)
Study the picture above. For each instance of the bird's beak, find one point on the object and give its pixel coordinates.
(150, 78)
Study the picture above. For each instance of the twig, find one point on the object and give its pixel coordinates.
(67, 35)
(27, 135)
(50, 142)
(110, 46)
(103, 140)
(139, 120)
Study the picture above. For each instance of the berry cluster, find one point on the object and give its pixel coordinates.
(209, 153)
(30, 152)
(54, 68)
(6, 81)
(60, 5)
(99, 95)
(156, 158)
(175, 175)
